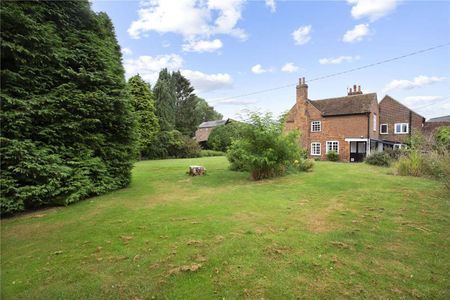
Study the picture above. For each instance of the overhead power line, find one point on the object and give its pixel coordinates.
(335, 74)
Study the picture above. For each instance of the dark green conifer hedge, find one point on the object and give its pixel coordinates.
(67, 127)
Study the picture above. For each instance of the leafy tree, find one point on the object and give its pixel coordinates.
(222, 136)
(204, 112)
(67, 129)
(144, 108)
(165, 96)
(263, 148)
(186, 120)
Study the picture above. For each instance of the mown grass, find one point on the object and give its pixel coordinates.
(341, 231)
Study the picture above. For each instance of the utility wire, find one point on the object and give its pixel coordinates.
(336, 74)
(430, 104)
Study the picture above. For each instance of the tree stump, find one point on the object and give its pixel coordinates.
(196, 171)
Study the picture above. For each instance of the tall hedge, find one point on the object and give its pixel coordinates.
(67, 127)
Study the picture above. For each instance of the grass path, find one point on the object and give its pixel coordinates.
(341, 231)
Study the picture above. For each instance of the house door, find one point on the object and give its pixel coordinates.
(357, 151)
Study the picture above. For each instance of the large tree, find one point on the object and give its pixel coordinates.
(205, 112)
(143, 103)
(186, 120)
(165, 96)
(67, 129)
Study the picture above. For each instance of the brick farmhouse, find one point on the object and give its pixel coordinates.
(353, 125)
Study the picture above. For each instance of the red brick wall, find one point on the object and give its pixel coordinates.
(334, 128)
(337, 128)
(392, 112)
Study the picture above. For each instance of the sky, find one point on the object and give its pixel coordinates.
(232, 48)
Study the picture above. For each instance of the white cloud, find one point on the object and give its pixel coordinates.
(337, 60)
(357, 33)
(148, 66)
(190, 18)
(302, 36)
(127, 51)
(419, 81)
(373, 9)
(429, 106)
(202, 46)
(289, 68)
(258, 69)
(416, 100)
(235, 102)
(272, 5)
(207, 82)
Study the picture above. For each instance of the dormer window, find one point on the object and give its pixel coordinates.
(316, 126)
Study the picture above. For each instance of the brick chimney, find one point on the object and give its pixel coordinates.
(355, 91)
(302, 91)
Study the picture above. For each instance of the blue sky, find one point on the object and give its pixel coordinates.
(228, 48)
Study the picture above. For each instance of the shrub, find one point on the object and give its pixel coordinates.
(222, 136)
(442, 137)
(206, 153)
(236, 157)
(410, 164)
(394, 154)
(332, 156)
(263, 149)
(304, 165)
(382, 159)
(173, 144)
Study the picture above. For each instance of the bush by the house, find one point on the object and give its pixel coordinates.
(394, 154)
(442, 137)
(421, 161)
(332, 156)
(263, 149)
(304, 165)
(382, 159)
(206, 153)
(236, 156)
(411, 164)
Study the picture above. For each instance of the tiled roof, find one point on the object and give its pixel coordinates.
(440, 119)
(348, 105)
(213, 123)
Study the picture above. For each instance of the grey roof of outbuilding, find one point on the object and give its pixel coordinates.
(348, 105)
(440, 119)
(215, 123)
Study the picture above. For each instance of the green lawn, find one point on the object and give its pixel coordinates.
(341, 231)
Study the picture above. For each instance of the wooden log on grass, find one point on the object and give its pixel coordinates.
(196, 171)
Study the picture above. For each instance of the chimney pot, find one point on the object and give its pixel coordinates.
(302, 91)
(359, 88)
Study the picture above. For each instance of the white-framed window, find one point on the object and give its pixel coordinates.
(401, 128)
(384, 129)
(333, 146)
(316, 126)
(315, 148)
(400, 146)
(374, 122)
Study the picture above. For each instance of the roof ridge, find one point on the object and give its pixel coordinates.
(357, 95)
